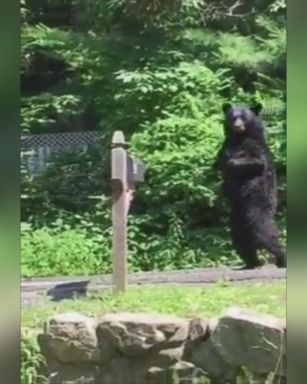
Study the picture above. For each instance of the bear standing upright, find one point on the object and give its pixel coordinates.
(249, 183)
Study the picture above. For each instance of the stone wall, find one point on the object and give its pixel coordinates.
(139, 348)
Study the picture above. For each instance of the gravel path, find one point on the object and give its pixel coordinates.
(37, 291)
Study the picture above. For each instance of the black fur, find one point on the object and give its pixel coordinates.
(249, 183)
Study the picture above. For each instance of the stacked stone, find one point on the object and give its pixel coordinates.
(138, 348)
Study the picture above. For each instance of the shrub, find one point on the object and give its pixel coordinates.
(47, 252)
(32, 362)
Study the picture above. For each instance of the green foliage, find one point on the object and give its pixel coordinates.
(278, 5)
(44, 110)
(159, 71)
(32, 362)
(250, 55)
(79, 251)
(72, 184)
(274, 41)
(85, 250)
(173, 245)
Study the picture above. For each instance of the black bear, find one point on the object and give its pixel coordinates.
(249, 183)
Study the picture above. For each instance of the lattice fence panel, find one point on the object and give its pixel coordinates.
(39, 147)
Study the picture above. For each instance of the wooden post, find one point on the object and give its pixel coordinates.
(119, 211)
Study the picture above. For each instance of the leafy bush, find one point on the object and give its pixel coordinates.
(177, 246)
(46, 252)
(65, 251)
(86, 250)
(32, 362)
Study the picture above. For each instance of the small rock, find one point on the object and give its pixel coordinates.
(156, 375)
(123, 370)
(246, 338)
(163, 358)
(70, 338)
(74, 374)
(206, 357)
(201, 352)
(135, 333)
(198, 329)
(183, 370)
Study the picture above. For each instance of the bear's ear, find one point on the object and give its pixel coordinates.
(226, 107)
(257, 108)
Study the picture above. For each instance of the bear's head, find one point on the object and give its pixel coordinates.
(241, 122)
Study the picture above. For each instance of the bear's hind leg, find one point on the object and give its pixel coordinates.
(268, 239)
(249, 257)
(278, 251)
(246, 248)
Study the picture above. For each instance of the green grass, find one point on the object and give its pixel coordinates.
(213, 300)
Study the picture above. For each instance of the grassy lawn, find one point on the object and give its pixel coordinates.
(178, 300)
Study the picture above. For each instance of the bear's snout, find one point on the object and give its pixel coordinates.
(238, 125)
